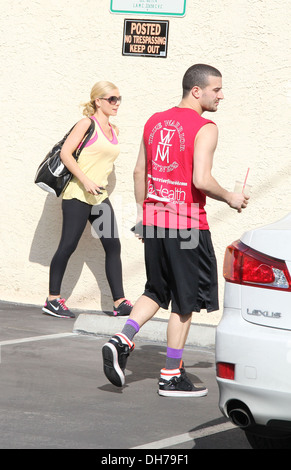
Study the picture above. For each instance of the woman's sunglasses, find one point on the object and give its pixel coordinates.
(112, 99)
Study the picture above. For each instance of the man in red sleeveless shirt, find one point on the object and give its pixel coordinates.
(172, 179)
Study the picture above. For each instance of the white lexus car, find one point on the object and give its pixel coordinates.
(253, 338)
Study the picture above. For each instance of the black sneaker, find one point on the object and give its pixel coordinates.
(123, 309)
(179, 385)
(57, 308)
(115, 354)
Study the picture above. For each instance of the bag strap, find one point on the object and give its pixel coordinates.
(86, 138)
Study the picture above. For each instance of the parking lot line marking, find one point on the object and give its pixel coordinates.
(36, 338)
(188, 436)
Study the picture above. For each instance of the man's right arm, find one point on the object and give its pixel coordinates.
(204, 148)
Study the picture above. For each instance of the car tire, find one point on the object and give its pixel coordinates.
(265, 442)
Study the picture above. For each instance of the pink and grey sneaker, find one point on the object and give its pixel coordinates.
(57, 308)
(123, 309)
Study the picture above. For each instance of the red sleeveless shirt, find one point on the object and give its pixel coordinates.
(172, 199)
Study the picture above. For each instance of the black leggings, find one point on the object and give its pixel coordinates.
(75, 216)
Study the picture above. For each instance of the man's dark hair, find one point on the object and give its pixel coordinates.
(198, 75)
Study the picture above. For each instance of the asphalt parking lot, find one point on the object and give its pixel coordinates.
(54, 395)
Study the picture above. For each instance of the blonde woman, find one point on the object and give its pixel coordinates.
(86, 198)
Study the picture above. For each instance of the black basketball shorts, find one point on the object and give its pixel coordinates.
(181, 268)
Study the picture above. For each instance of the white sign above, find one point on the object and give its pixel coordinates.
(152, 7)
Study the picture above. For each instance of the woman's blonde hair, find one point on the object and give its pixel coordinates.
(99, 90)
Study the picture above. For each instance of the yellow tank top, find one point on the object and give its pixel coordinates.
(96, 161)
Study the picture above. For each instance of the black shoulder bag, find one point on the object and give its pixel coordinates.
(52, 175)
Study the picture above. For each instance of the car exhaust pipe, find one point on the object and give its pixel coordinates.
(240, 417)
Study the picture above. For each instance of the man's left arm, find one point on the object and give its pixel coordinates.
(204, 148)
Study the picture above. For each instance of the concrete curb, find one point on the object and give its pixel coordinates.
(100, 324)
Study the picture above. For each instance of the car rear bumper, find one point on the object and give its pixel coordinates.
(262, 358)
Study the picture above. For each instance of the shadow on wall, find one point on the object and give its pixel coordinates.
(89, 250)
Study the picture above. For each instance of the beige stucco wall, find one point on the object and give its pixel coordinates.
(53, 52)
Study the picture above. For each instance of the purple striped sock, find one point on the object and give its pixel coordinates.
(130, 329)
(134, 324)
(174, 357)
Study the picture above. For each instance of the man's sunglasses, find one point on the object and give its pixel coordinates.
(112, 99)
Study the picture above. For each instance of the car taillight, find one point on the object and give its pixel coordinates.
(243, 265)
(225, 370)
